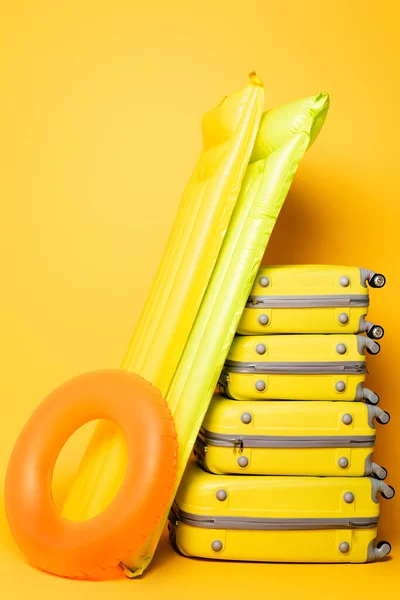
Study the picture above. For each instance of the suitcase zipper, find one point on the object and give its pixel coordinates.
(295, 368)
(209, 438)
(334, 301)
(177, 516)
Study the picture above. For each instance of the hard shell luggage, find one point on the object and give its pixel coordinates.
(310, 299)
(278, 519)
(289, 438)
(298, 367)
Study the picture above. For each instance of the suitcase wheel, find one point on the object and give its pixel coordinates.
(383, 548)
(368, 344)
(373, 347)
(376, 332)
(384, 419)
(389, 495)
(377, 280)
(370, 397)
(381, 474)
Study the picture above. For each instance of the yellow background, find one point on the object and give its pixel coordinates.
(100, 104)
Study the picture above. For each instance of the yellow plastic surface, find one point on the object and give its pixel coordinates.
(318, 280)
(198, 231)
(275, 546)
(282, 140)
(304, 280)
(287, 419)
(293, 348)
(287, 461)
(228, 132)
(275, 497)
(300, 320)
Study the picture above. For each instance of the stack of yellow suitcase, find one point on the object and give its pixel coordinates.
(285, 467)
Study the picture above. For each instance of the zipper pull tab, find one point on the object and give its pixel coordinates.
(174, 515)
(238, 445)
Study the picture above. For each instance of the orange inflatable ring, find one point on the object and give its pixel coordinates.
(92, 548)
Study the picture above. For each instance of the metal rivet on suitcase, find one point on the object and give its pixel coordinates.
(347, 419)
(344, 547)
(340, 386)
(242, 461)
(348, 497)
(343, 462)
(344, 281)
(263, 319)
(261, 348)
(260, 385)
(246, 418)
(217, 546)
(264, 281)
(343, 318)
(221, 495)
(341, 349)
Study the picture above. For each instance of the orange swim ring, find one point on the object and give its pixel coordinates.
(94, 548)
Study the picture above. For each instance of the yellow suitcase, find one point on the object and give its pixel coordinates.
(278, 519)
(311, 299)
(289, 438)
(298, 367)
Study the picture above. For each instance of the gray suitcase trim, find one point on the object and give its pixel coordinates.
(331, 301)
(296, 368)
(177, 516)
(210, 438)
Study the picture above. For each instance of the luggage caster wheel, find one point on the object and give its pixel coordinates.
(374, 349)
(382, 476)
(382, 543)
(376, 332)
(384, 422)
(377, 281)
(389, 497)
(370, 397)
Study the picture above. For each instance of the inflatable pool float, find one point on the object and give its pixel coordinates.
(285, 134)
(220, 234)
